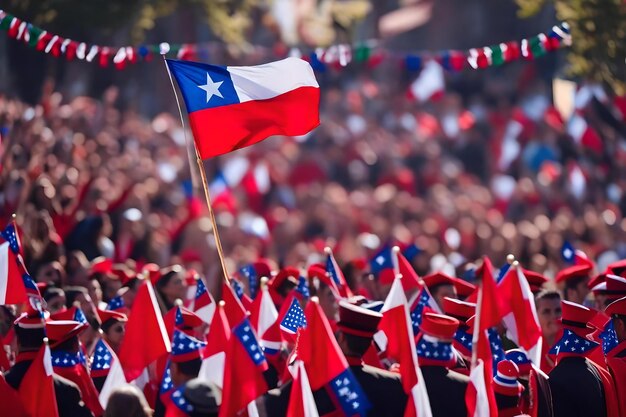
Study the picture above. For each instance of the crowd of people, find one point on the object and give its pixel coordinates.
(105, 198)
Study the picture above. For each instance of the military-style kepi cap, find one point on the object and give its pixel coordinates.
(597, 280)
(460, 310)
(356, 320)
(505, 381)
(615, 287)
(535, 280)
(59, 331)
(576, 317)
(573, 272)
(463, 288)
(439, 326)
(617, 307)
(617, 268)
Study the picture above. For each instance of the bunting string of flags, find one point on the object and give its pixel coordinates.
(370, 53)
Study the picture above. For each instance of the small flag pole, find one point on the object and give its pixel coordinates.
(205, 186)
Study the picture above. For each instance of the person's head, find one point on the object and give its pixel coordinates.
(95, 291)
(182, 372)
(186, 357)
(55, 299)
(617, 311)
(29, 331)
(50, 272)
(440, 286)
(113, 326)
(548, 305)
(127, 401)
(574, 280)
(357, 326)
(171, 285)
(204, 398)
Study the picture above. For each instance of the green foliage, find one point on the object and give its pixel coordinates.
(598, 30)
(229, 20)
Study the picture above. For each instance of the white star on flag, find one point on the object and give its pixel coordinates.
(211, 88)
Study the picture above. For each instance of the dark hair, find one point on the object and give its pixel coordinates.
(358, 345)
(52, 292)
(29, 338)
(547, 295)
(190, 368)
(574, 282)
(70, 345)
(72, 292)
(127, 401)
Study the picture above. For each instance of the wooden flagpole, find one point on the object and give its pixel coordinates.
(205, 186)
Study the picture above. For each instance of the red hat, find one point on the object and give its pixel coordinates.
(189, 319)
(617, 307)
(319, 271)
(576, 271)
(463, 288)
(599, 321)
(615, 287)
(152, 271)
(72, 313)
(357, 321)
(617, 268)
(460, 310)
(505, 381)
(286, 274)
(123, 273)
(101, 265)
(535, 280)
(575, 316)
(59, 331)
(190, 255)
(440, 326)
(262, 268)
(597, 280)
(106, 315)
(30, 319)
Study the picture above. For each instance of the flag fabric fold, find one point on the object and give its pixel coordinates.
(480, 397)
(301, 401)
(146, 338)
(38, 383)
(326, 366)
(401, 346)
(517, 307)
(233, 107)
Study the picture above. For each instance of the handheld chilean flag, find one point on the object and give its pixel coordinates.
(301, 401)
(574, 256)
(340, 286)
(479, 397)
(146, 338)
(105, 364)
(234, 107)
(204, 304)
(212, 368)
(12, 282)
(37, 387)
(401, 346)
(326, 365)
(244, 363)
(517, 305)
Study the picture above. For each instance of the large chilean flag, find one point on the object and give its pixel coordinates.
(234, 107)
